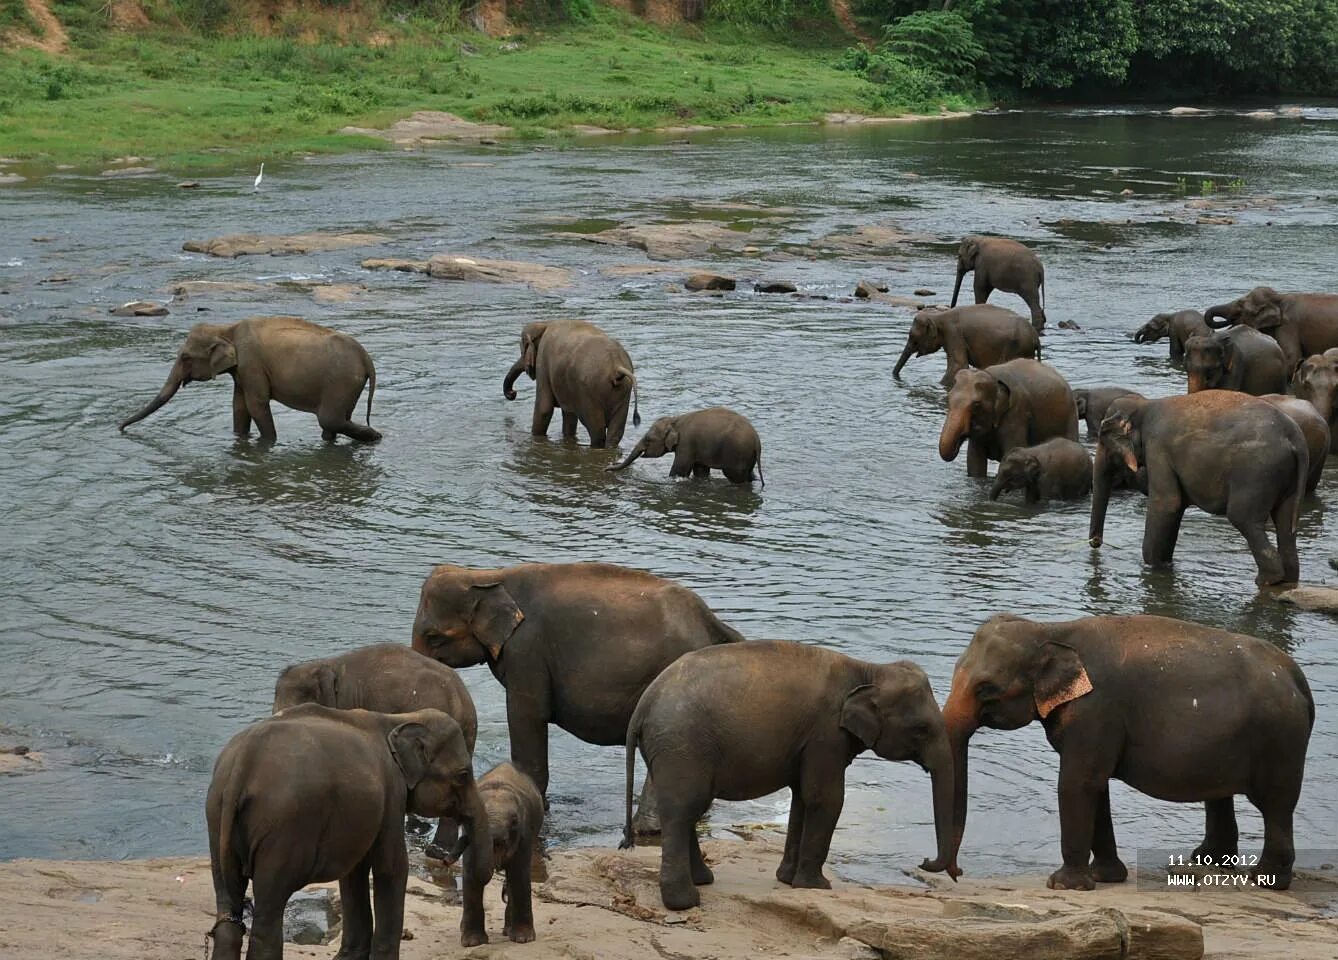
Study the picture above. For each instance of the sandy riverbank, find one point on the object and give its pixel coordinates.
(599, 903)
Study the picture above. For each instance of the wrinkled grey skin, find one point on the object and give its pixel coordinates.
(977, 336)
(1302, 323)
(1176, 710)
(1176, 327)
(515, 812)
(702, 440)
(312, 795)
(1225, 452)
(1239, 358)
(1093, 402)
(1002, 264)
(1314, 428)
(580, 369)
(386, 678)
(1059, 469)
(1015, 404)
(1316, 381)
(298, 363)
(740, 721)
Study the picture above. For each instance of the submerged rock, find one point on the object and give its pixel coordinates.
(255, 244)
(867, 288)
(709, 281)
(140, 308)
(775, 286)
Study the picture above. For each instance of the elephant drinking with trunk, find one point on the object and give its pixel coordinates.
(312, 795)
(580, 369)
(1176, 327)
(977, 336)
(574, 644)
(1002, 264)
(742, 721)
(1015, 404)
(1059, 469)
(1303, 324)
(298, 363)
(1178, 711)
(700, 441)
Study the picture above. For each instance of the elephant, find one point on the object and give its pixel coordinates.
(387, 678)
(701, 440)
(1154, 702)
(1226, 453)
(1314, 428)
(574, 644)
(741, 721)
(1303, 323)
(1002, 264)
(1240, 358)
(1316, 380)
(314, 794)
(1014, 404)
(580, 369)
(515, 812)
(294, 361)
(1058, 469)
(1177, 327)
(1093, 402)
(977, 336)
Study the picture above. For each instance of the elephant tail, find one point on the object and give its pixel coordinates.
(1302, 455)
(629, 836)
(760, 476)
(619, 375)
(231, 867)
(371, 385)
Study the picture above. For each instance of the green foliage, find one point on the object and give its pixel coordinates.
(14, 15)
(926, 60)
(771, 14)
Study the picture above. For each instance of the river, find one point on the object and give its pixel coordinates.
(156, 582)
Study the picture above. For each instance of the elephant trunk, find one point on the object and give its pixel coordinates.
(998, 487)
(174, 381)
(1197, 381)
(1101, 482)
(475, 840)
(905, 355)
(637, 451)
(516, 370)
(1221, 310)
(959, 717)
(955, 430)
(957, 287)
(940, 762)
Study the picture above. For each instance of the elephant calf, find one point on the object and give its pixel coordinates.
(288, 359)
(1240, 359)
(312, 795)
(1002, 264)
(1093, 402)
(1314, 428)
(1058, 469)
(701, 440)
(1176, 327)
(977, 336)
(1176, 710)
(1316, 381)
(387, 678)
(740, 721)
(515, 813)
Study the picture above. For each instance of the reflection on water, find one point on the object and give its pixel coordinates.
(158, 581)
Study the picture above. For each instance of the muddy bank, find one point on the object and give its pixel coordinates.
(598, 903)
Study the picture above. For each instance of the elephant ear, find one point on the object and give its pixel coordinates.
(1059, 678)
(408, 745)
(222, 356)
(859, 715)
(327, 685)
(1003, 399)
(496, 616)
(1080, 401)
(1031, 469)
(533, 332)
(671, 436)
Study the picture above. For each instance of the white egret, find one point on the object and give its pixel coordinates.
(259, 176)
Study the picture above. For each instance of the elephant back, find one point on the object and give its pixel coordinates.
(1048, 399)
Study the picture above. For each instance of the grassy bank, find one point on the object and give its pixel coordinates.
(190, 100)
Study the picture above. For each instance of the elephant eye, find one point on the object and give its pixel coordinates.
(462, 777)
(987, 690)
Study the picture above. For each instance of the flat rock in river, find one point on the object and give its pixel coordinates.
(255, 244)
(426, 126)
(190, 288)
(448, 266)
(140, 308)
(1322, 599)
(669, 241)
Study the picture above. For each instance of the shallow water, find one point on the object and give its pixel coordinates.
(155, 583)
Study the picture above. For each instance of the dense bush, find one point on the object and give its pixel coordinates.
(925, 60)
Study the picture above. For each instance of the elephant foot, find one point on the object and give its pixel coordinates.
(1211, 852)
(678, 896)
(328, 436)
(702, 875)
(473, 938)
(435, 851)
(1071, 878)
(1271, 876)
(785, 872)
(347, 953)
(227, 935)
(810, 880)
(520, 932)
(1109, 871)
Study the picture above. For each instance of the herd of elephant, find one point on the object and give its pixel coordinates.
(319, 791)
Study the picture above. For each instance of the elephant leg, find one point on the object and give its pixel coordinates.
(443, 841)
(1079, 796)
(241, 417)
(682, 466)
(977, 462)
(982, 285)
(617, 421)
(794, 832)
(264, 420)
(527, 720)
(519, 925)
(334, 422)
(679, 815)
(1161, 529)
(1033, 301)
(1283, 515)
(1107, 867)
(701, 873)
(355, 942)
(646, 823)
(700, 473)
(473, 930)
(389, 875)
(824, 794)
(597, 427)
(1276, 802)
(267, 920)
(737, 475)
(1251, 527)
(1220, 835)
(544, 405)
(569, 422)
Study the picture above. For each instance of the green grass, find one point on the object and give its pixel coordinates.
(189, 100)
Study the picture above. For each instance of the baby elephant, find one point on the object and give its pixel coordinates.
(1058, 469)
(515, 814)
(1093, 402)
(737, 722)
(715, 437)
(312, 795)
(387, 678)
